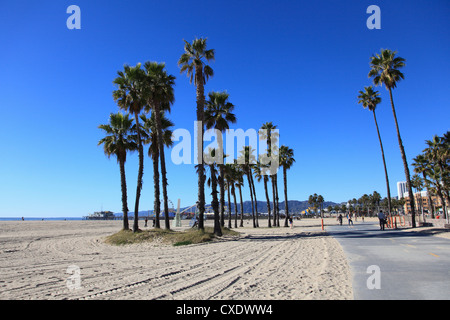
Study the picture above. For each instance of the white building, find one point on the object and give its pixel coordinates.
(401, 189)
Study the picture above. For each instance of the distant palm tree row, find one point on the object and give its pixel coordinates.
(141, 90)
(385, 71)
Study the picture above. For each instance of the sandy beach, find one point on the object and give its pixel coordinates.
(276, 263)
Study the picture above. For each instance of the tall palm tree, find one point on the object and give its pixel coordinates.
(271, 137)
(421, 166)
(246, 160)
(212, 182)
(370, 99)
(286, 161)
(234, 177)
(261, 173)
(228, 180)
(160, 96)
(119, 140)
(131, 97)
(385, 70)
(438, 154)
(149, 127)
(218, 115)
(193, 62)
(239, 184)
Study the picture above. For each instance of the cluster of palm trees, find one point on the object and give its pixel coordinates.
(368, 205)
(148, 89)
(140, 90)
(432, 171)
(384, 70)
(317, 202)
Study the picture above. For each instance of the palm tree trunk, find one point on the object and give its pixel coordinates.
(267, 200)
(200, 91)
(251, 196)
(233, 192)
(164, 184)
(286, 208)
(140, 174)
(123, 183)
(405, 164)
(242, 207)
(163, 163)
(222, 194)
(229, 206)
(215, 202)
(272, 178)
(157, 203)
(384, 163)
(254, 196)
(277, 200)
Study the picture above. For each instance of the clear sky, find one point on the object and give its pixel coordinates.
(299, 64)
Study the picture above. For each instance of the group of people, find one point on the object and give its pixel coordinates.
(349, 218)
(381, 218)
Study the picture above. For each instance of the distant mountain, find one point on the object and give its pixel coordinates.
(295, 206)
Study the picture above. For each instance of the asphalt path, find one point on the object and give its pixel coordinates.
(394, 264)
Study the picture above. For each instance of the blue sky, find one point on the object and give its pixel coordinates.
(299, 64)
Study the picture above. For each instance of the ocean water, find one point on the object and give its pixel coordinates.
(39, 219)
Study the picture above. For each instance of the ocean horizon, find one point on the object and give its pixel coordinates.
(40, 218)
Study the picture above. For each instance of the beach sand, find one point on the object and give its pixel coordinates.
(264, 263)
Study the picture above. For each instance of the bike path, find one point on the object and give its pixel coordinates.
(394, 264)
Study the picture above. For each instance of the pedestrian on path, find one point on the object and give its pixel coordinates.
(382, 218)
(349, 217)
(340, 219)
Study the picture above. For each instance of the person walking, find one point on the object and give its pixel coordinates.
(340, 219)
(349, 217)
(382, 218)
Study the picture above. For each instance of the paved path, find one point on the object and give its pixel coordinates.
(405, 265)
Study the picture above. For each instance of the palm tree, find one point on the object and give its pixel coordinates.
(239, 184)
(218, 115)
(320, 201)
(228, 180)
(421, 166)
(438, 155)
(234, 177)
(286, 161)
(130, 96)
(119, 140)
(418, 184)
(160, 97)
(261, 173)
(385, 70)
(149, 127)
(269, 134)
(246, 159)
(193, 62)
(313, 200)
(212, 182)
(370, 99)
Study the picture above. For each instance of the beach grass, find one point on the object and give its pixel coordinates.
(176, 238)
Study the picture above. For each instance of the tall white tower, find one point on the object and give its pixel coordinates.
(401, 188)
